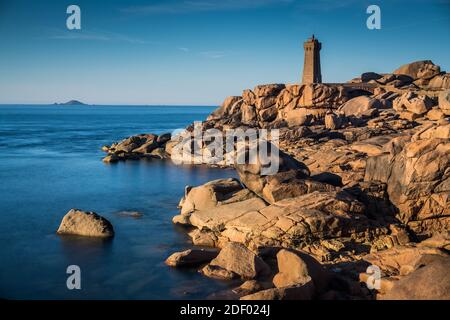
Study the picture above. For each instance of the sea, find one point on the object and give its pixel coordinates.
(50, 162)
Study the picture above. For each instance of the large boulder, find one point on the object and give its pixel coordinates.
(216, 202)
(279, 104)
(400, 260)
(296, 268)
(424, 69)
(299, 220)
(254, 162)
(298, 117)
(265, 102)
(215, 218)
(435, 114)
(444, 102)
(249, 97)
(288, 184)
(359, 106)
(333, 121)
(129, 144)
(440, 240)
(143, 143)
(266, 90)
(385, 98)
(135, 147)
(163, 138)
(414, 103)
(85, 223)
(209, 194)
(298, 292)
(440, 82)
(436, 131)
(277, 184)
(301, 104)
(318, 215)
(111, 158)
(417, 177)
(368, 76)
(430, 281)
(312, 216)
(321, 95)
(231, 105)
(268, 114)
(249, 116)
(395, 80)
(235, 260)
(372, 146)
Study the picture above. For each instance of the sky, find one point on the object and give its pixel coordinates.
(197, 52)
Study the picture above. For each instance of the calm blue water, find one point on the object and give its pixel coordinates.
(51, 162)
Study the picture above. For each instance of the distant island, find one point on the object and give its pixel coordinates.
(72, 103)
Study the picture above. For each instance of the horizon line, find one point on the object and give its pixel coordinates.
(109, 105)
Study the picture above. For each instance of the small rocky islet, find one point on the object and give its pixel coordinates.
(364, 180)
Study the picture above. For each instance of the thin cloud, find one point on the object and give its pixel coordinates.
(192, 6)
(97, 36)
(327, 5)
(79, 36)
(213, 54)
(330, 5)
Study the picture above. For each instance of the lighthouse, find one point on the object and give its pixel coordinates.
(311, 66)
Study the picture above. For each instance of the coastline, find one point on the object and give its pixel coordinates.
(346, 202)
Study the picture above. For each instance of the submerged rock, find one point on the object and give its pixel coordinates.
(191, 258)
(132, 214)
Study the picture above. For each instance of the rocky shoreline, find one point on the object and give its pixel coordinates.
(364, 181)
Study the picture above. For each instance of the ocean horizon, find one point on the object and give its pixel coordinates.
(108, 105)
(51, 162)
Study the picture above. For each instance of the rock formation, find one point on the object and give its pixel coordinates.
(364, 179)
(191, 258)
(83, 223)
(141, 146)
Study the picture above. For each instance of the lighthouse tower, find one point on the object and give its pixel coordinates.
(311, 67)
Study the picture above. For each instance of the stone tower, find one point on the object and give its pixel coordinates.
(311, 67)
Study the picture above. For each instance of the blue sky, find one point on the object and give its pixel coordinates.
(197, 52)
